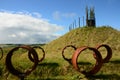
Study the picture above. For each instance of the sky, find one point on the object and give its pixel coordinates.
(41, 21)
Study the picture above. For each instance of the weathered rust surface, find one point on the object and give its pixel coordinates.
(1, 53)
(16, 72)
(68, 59)
(98, 58)
(109, 52)
(32, 59)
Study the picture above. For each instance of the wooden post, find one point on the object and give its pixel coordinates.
(75, 24)
(79, 21)
(83, 20)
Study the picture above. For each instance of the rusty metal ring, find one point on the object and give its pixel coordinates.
(98, 58)
(10, 67)
(69, 60)
(109, 52)
(1, 53)
(31, 58)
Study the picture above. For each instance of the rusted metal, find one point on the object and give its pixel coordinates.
(1, 53)
(98, 58)
(15, 72)
(68, 59)
(32, 59)
(109, 52)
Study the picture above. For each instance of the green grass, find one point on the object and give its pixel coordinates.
(55, 67)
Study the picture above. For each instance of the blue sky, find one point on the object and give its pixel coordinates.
(25, 20)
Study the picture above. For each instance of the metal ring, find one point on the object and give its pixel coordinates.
(69, 60)
(31, 58)
(109, 52)
(98, 58)
(10, 67)
(1, 53)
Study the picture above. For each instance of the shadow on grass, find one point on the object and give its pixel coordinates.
(49, 64)
(51, 79)
(84, 63)
(47, 70)
(115, 62)
(105, 77)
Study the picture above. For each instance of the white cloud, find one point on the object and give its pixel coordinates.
(25, 27)
(58, 15)
(69, 15)
(12, 35)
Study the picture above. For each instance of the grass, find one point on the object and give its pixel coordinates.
(55, 67)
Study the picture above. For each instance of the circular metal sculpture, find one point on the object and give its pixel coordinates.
(98, 58)
(109, 52)
(32, 59)
(11, 68)
(1, 53)
(69, 60)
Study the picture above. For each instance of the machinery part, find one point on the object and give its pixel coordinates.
(109, 52)
(32, 59)
(69, 60)
(98, 58)
(10, 67)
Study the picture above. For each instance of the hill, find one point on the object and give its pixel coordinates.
(86, 36)
(55, 67)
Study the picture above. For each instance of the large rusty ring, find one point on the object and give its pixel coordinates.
(69, 60)
(98, 58)
(10, 67)
(32, 59)
(109, 52)
(1, 53)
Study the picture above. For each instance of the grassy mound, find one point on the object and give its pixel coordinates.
(55, 67)
(86, 36)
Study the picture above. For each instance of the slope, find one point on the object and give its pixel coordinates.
(86, 36)
(55, 67)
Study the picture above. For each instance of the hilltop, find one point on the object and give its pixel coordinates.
(86, 36)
